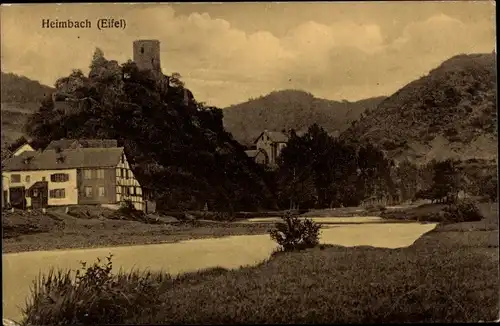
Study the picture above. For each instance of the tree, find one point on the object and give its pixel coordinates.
(407, 179)
(295, 176)
(489, 188)
(320, 168)
(176, 80)
(375, 179)
(446, 181)
(98, 59)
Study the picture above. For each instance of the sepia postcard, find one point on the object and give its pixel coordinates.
(260, 162)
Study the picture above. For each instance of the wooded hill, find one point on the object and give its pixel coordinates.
(177, 149)
(292, 109)
(20, 97)
(449, 113)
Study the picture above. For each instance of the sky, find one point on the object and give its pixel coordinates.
(227, 53)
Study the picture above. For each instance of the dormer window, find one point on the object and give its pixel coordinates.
(61, 159)
(28, 160)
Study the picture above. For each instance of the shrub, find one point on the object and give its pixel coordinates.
(94, 296)
(219, 216)
(127, 207)
(129, 211)
(464, 210)
(375, 207)
(489, 188)
(295, 234)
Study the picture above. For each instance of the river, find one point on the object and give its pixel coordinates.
(20, 269)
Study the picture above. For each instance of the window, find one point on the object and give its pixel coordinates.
(27, 178)
(57, 193)
(15, 178)
(122, 173)
(88, 191)
(138, 191)
(118, 189)
(101, 191)
(132, 190)
(59, 177)
(127, 174)
(142, 50)
(87, 174)
(100, 174)
(125, 191)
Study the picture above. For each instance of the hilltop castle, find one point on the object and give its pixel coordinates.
(147, 58)
(146, 55)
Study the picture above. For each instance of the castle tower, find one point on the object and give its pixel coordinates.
(147, 55)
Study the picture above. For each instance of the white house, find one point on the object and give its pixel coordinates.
(271, 143)
(70, 176)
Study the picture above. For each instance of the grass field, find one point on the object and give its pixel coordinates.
(449, 275)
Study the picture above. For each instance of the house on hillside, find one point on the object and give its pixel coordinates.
(268, 147)
(71, 176)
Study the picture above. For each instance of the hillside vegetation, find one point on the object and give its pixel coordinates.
(449, 113)
(179, 150)
(20, 97)
(292, 109)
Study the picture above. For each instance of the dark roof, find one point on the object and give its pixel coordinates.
(101, 143)
(18, 144)
(275, 136)
(252, 152)
(85, 143)
(62, 144)
(73, 158)
(39, 184)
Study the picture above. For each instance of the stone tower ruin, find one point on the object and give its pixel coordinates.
(147, 55)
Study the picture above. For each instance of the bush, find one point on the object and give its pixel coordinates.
(219, 216)
(489, 189)
(295, 234)
(94, 296)
(129, 211)
(464, 210)
(375, 208)
(127, 207)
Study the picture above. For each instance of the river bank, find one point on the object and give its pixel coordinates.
(95, 227)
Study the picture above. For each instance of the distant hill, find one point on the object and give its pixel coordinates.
(20, 96)
(291, 109)
(449, 113)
